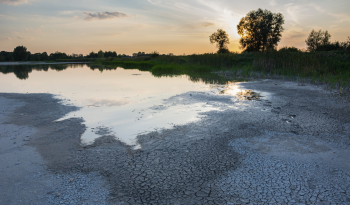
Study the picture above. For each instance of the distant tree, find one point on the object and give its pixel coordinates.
(334, 46)
(92, 55)
(316, 39)
(44, 56)
(20, 53)
(260, 30)
(108, 54)
(154, 54)
(6, 56)
(289, 49)
(141, 53)
(58, 55)
(100, 54)
(221, 39)
(346, 45)
(35, 57)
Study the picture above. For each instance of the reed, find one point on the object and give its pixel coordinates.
(331, 68)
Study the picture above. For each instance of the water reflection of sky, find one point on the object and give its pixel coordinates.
(127, 102)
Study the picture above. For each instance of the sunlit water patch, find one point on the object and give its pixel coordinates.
(122, 102)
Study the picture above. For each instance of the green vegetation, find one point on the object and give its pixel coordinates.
(332, 68)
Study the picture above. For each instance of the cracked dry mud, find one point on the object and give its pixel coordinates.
(290, 146)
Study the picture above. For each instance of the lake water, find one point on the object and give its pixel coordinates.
(116, 101)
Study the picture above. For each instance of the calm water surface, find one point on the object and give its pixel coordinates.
(119, 102)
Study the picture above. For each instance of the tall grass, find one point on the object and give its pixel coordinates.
(332, 68)
(180, 69)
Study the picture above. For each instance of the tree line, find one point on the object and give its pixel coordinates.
(261, 30)
(20, 53)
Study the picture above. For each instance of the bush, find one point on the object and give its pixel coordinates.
(154, 54)
(289, 49)
(223, 50)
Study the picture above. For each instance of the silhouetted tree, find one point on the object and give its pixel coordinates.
(6, 56)
(316, 39)
(44, 56)
(289, 49)
(101, 54)
(58, 55)
(110, 54)
(346, 45)
(154, 54)
(29, 56)
(92, 55)
(260, 30)
(20, 53)
(221, 39)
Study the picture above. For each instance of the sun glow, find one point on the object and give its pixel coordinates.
(231, 20)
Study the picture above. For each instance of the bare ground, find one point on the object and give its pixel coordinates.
(290, 146)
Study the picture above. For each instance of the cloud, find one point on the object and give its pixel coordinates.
(208, 24)
(14, 2)
(155, 1)
(339, 16)
(273, 2)
(19, 37)
(103, 15)
(6, 17)
(295, 11)
(9, 39)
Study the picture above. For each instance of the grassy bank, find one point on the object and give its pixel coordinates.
(331, 68)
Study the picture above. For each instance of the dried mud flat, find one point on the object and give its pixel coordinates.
(291, 145)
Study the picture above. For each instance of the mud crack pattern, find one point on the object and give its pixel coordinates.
(270, 179)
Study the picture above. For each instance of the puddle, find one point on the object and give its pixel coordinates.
(233, 90)
(124, 102)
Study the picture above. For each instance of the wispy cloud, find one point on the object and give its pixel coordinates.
(14, 2)
(7, 17)
(294, 11)
(103, 15)
(155, 1)
(273, 2)
(9, 39)
(208, 24)
(339, 16)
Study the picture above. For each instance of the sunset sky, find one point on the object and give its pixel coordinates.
(166, 26)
